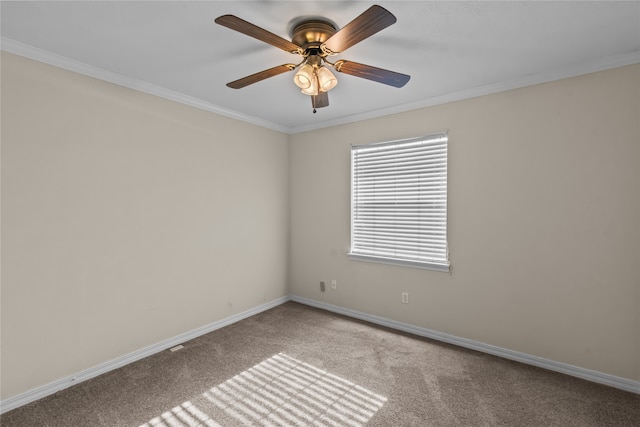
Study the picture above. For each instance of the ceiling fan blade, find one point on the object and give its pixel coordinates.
(255, 78)
(371, 21)
(320, 100)
(251, 30)
(368, 72)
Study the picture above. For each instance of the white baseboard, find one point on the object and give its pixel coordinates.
(564, 368)
(575, 371)
(55, 386)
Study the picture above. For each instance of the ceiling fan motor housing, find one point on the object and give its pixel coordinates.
(312, 33)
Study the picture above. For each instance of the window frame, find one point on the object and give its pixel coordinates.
(433, 264)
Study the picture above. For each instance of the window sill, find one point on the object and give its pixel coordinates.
(446, 268)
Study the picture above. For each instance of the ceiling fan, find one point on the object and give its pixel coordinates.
(314, 40)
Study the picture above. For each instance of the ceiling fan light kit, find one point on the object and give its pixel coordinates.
(313, 77)
(314, 40)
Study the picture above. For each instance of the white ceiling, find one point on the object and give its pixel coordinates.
(452, 50)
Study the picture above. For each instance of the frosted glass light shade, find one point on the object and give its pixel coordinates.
(326, 79)
(304, 77)
(313, 88)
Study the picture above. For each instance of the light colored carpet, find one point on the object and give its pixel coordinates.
(295, 365)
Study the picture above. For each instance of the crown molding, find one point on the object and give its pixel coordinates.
(69, 64)
(46, 57)
(602, 64)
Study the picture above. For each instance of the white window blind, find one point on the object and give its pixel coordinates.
(399, 202)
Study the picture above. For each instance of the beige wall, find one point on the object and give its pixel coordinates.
(544, 222)
(127, 220)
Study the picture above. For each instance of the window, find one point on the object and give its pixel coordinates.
(399, 202)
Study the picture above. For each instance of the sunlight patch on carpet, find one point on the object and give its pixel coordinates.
(280, 391)
(186, 414)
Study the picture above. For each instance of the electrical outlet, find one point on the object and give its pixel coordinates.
(321, 286)
(405, 297)
(334, 284)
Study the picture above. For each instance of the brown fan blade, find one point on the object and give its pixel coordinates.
(371, 21)
(368, 72)
(244, 27)
(320, 100)
(255, 78)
